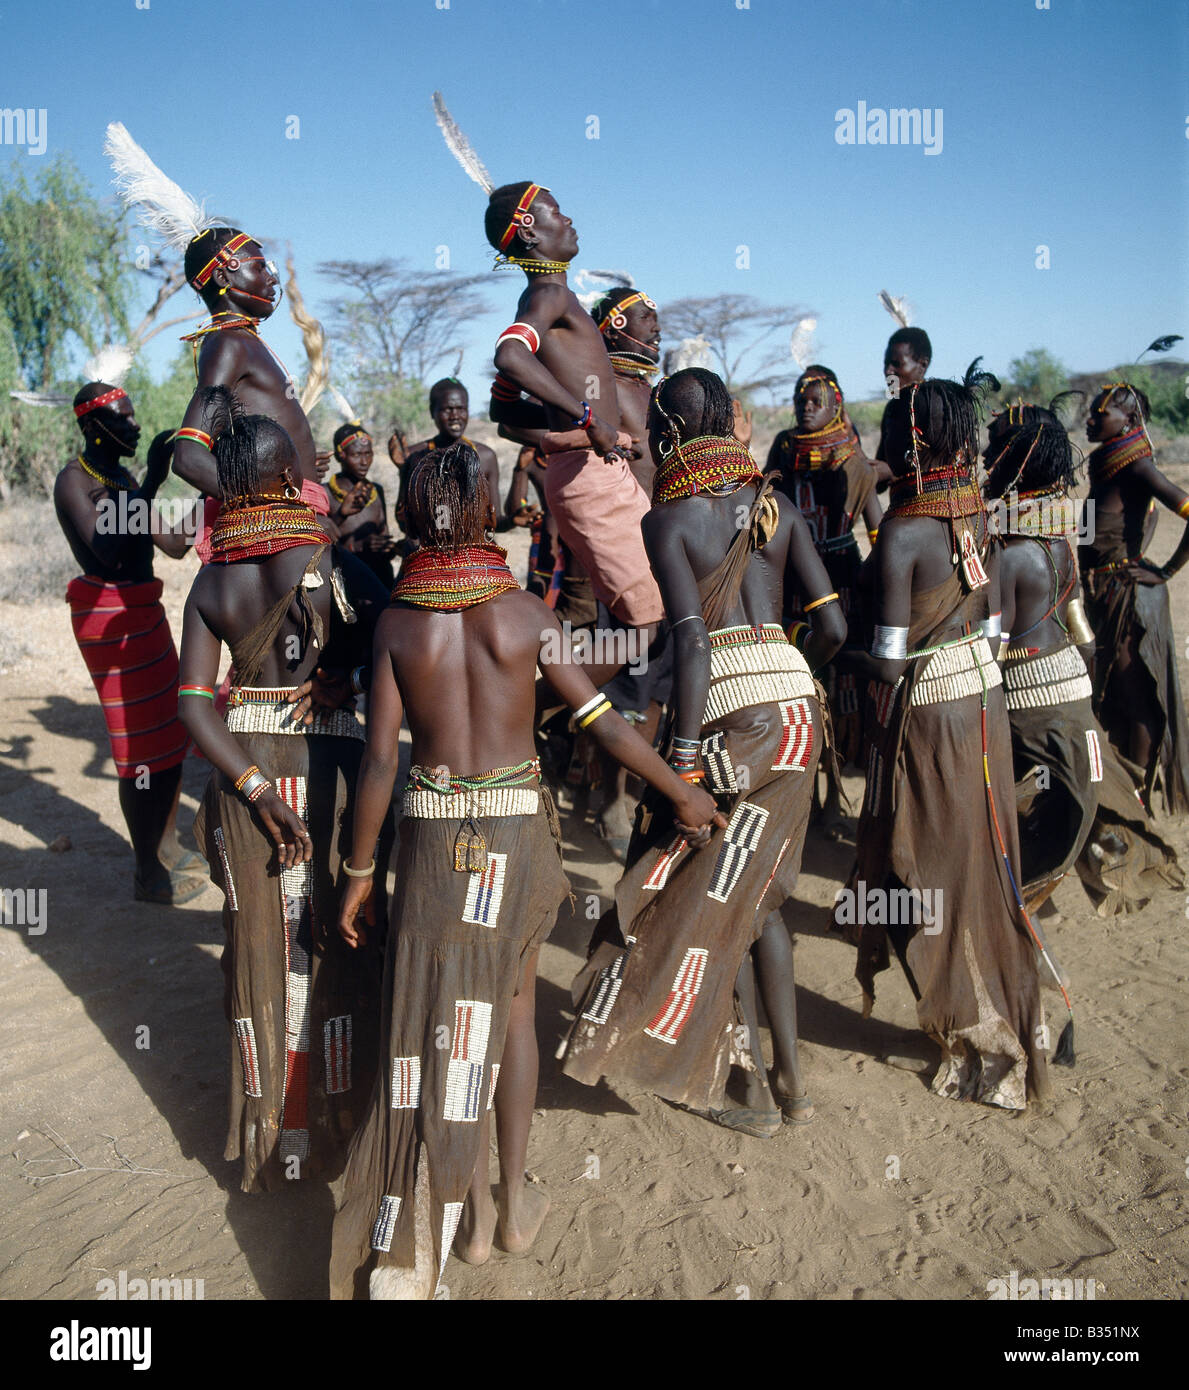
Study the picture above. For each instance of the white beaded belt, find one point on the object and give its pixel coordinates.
(1037, 682)
(421, 804)
(754, 673)
(954, 672)
(254, 710)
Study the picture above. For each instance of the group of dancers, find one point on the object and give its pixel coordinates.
(1007, 688)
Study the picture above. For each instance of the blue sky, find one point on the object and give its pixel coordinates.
(1064, 127)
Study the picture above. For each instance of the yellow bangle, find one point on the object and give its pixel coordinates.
(872, 536)
(1183, 509)
(796, 634)
(584, 721)
(359, 873)
(817, 603)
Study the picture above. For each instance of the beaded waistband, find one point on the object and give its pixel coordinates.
(754, 666)
(955, 670)
(261, 710)
(419, 803)
(1039, 682)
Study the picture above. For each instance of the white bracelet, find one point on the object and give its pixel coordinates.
(595, 699)
(992, 626)
(889, 643)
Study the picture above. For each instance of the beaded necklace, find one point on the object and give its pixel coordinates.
(452, 580)
(122, 484)
(447, 783)
(711, 464)
(829, 447)
(263, 528)
(1116, 454)
(1050, 514)
(633, 364)
(249, 325)
(532, 267)
(944, 492)
(337, 491)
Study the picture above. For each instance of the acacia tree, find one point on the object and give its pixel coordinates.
(748, 339)
(393, 329)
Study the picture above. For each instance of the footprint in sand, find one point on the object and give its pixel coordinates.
(602, 1242)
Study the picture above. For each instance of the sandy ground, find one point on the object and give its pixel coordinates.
(112, 1148)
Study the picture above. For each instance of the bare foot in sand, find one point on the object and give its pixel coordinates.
(476, 1229)
(522, 1210)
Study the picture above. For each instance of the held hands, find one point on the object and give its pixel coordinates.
(696, 816)
(287, 829)
(356, 892)
(323, 693)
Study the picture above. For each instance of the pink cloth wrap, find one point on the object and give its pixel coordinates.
(598, 506)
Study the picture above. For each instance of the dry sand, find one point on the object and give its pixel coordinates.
(889, 1193)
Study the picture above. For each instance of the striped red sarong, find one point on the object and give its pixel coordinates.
(123, 634)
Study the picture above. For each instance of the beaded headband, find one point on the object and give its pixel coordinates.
(221, 257)
(521, 217)
(358, 433)
(117, 393)
(617, 318)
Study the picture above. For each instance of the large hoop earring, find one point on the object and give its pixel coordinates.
(292, 492)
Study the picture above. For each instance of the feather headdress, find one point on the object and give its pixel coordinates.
(41, 397)
(460, 147)
(801, 340)
(900, 309)
(1161, 344)
(690, 352)
(110, 364)
(586, 283)
(342, 405)
(162, 207)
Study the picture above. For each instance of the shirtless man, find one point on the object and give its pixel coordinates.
(122, 631)
(478, 886)
(450, 409)
(555, 353)
(240, 287)
(905, 362)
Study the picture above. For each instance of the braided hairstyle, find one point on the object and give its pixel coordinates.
(1125, 394)
(695, 402)
(1035, 455)
(249, 450)
(500, 207)
(946, 419)
(447, 500)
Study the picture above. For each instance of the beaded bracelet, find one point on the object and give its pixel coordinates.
(206, 691)
(257, 789)
(359, 873)
(247, 773)
(583, 422)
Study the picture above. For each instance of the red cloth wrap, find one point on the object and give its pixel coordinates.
(124, 637)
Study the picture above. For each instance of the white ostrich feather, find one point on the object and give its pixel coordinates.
(690, 352)
(162, 207)
(900, 309)
(41, 398)
(801, 340)
(110, 364)
(610, 279)
(342, 404)
(459, 146)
